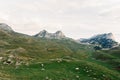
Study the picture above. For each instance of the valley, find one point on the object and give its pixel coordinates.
(24, 57)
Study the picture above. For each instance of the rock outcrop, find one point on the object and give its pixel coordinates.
(106, 40)
(45, 34)
(5, 27)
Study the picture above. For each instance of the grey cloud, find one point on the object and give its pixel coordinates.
(77, 18)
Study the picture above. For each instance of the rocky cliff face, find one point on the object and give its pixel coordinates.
(106, 40)
(5, 27)
(45, 34)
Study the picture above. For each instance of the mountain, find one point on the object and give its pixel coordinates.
(106, 40)
(45, 34)
(24, 57)
(5, 27)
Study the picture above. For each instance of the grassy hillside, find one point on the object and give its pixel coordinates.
(109, 57)
(23, 57)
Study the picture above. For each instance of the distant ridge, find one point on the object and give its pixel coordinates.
(45, 34)
(105, 40)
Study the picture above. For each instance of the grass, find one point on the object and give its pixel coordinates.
(62, 71)
(63, 59)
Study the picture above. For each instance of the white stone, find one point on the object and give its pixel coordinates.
(76, 68)
(1, 58)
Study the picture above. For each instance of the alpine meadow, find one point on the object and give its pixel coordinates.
(59, 40)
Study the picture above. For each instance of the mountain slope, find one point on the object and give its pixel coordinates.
(103, 40)
(24, 57)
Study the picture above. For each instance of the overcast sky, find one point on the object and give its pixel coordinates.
(76, 18)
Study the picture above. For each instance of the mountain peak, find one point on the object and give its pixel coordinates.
(104, 36)
(5, 27)
(105, 40)
(43, 31)
(111, 36)
(110, 33)
(59, 31)
(45, 34)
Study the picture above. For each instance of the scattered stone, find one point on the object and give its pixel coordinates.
(42, 65)
(94, 78)
(11, 56)
(1, 58)
(90, 70)
(8, 62)
(18, 63)
(94, 73)
(103, 75)
(27, 64)
(59, 60)
(42, 69)
(86, 67)
(77, 76)
(87, 71)
(88, 75)
(76, 68)
(47, 78)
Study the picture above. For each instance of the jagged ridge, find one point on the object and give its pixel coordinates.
(45, 34)
(5, 27)
(106, 40)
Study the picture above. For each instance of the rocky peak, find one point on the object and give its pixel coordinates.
(5, 27)
(45, 34)
(110, 36)
(104, 36)
(41, 33)
(44, 31)
(59, 34)
(106, 40)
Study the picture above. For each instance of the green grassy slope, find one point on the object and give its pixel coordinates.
(109, 57)
(23, 57)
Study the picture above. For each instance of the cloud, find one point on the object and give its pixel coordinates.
(77, 18)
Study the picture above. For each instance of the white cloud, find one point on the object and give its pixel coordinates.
(77, 18)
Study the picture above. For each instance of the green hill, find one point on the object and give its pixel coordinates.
(23, 57)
